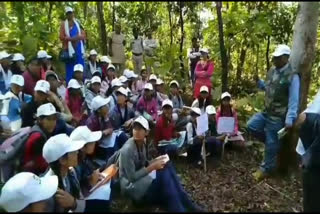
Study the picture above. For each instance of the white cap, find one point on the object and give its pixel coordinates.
(52, 73)
(83, 133)
(43, 86)
(153, 77)
(204, 88)
(46, 110)
(210, 109)
(126, 73)
(95, 79)
(281, 50)
(159, 81)
(4, 54)
(49, 57)
(225, 94)
(143, 122)
(59, 145)
(116, 82)
(123, 91)
(78, 67)
(68, 9)
(167, 102)
(174, 82)
(148, 86)
(205, 50)
(73, 83)
(42, 54)
(93, 52)
(123, 79)
(111, 66)
(105, 59)
(18, 80)
(18, 57)
(26, 188)
(196, 110)
(98, 101)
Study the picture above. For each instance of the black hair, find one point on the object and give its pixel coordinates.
(34, 60)
(204, 102)
(226, 112)
(194, 39)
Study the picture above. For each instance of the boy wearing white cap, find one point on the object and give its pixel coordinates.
(75, 102)
(78, 75)
(203, 100)
(46, 122)
(150, 182)
(281, 106)
(106, 85)
(12, 102)
(18, 66)
(5, 72)
(91, 66)
(26, 192)
(92, 91)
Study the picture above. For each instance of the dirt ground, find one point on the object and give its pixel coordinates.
(230, 186)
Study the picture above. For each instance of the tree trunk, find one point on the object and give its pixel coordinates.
(242, 58)
(257, 61)
(267, 54)
(181, 39)
(113, 14)
(102, 25)
(224, 59)
(301, 59)
(49, 15)
(170, 23)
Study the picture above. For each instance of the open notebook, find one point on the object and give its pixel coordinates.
(108, 173)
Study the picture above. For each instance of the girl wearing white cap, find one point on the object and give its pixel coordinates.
(78, 75)
(226, 110)
(203, 100)
(148, 104)
(203, 72)
(18, 66)
(92, 91)
(73, 38)
(143, 79)
(91, 66)
(75, 102)
(46, 122)
(12, 102)
(150, 182)
(106, 85)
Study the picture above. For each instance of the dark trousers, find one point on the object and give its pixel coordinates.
(311, 190)
(213, 146)
(171, 150)
(167, 191)
(93, 206)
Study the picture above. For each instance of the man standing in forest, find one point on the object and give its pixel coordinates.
(194, 56)
(281, 106)
(150, 45)
(137, 51)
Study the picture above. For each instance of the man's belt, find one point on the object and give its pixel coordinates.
(137, 54)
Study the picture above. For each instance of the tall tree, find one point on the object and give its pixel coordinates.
(301, 59)
(181, 5)
(224, 58)
(102, 28)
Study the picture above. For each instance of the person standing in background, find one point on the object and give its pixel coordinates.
(73, 38)
(137, 51)
(150, 46)
(194, 57)
(117, 44)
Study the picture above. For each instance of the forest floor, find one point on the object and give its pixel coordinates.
(230, 186)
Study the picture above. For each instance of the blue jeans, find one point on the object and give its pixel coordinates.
(266, 130)
(167, 191)
(168, 149)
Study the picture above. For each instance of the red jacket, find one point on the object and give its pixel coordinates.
(203, 76)
(164, 131)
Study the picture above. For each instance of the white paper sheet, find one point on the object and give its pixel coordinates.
(153, 174)
(202, 124)
(226, 125)
(300, 148)
(108, 142)
(101, 193)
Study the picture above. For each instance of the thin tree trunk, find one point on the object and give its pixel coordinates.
(113, 14)
(242, 58)
(85, 10)
(49, 15)
(301, 59)
(102, 25)
(181, 39)
(170, 23)
(257, 60)
(267, 54)
(224, 59)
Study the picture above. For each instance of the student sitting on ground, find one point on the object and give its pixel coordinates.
(106, 85)
(92, 91)
(226, 110)
(161, 94)
(104, 65)
(11, 109)
(121, 114)
(78, 75)
(152, 182)
(26, 192)
(165, 130)
(115, 84)
(75, 102)
(62, 155)
(46, 121)
(203, 99)
(143, 80)
(147, 104)
(99, 121)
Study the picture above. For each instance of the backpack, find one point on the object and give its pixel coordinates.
(12, 150)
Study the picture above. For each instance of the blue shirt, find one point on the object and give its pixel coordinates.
(293, 104)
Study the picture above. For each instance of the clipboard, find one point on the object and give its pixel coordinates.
(108, 173)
